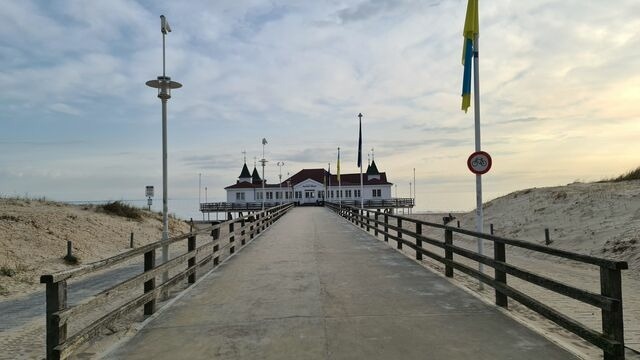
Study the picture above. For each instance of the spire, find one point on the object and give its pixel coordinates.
(255, 177)
(373, 169)
(245, 174)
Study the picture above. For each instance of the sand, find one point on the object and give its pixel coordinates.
(600, 219)
(34, 234)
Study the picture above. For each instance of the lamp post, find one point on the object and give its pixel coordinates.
(164, 85)
(280, 164)
(200, 193)
(289, 190)
(410, 195)
(264, 162)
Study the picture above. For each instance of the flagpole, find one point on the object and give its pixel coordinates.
(339, 181)
(476, 107)
(360, 163)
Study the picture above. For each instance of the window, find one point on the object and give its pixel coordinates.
(320, 194)
(379, 192)
(308, 194)
(259, 196)
(239, 196)
(356, 193)
(347, 193)
(278, 195)
(331, 194)
(298, 194)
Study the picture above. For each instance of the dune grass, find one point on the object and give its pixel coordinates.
(119, 208)
(628, 176)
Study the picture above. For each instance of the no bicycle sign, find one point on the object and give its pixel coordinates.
(479, 162)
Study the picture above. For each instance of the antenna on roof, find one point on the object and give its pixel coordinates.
(244, 155)
(372, 158)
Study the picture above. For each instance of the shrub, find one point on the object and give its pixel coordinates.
(71, 260)
(121, 209)
(631, 175)
(7, 271)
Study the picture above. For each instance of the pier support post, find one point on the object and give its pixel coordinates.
(399, 234)
(150, 285)
(191, 246)
(56, 294)
(612, 320)
(500, 276)
(418, 241)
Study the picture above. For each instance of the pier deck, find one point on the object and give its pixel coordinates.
(316, 287)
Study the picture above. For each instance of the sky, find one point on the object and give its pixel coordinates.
(559, 88)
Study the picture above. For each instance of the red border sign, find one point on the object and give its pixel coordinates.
(479, 162)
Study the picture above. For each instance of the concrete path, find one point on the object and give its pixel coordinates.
(315, 287)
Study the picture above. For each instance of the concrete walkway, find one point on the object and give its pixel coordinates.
(316, 287)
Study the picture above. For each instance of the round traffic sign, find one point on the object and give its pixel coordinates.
(479, 162)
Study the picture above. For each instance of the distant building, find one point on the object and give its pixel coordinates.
(310, 186)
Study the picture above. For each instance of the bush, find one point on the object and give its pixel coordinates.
(631, 175)
(121, 209)
(71, 260)
(7, 271)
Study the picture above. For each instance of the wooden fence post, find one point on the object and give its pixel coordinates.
(361, 211)
(368, 220)
(547, 238)
(418, 241)
(215, 235)
(612, 320)
(448, 253)
(399, 234)
(251, 220)
(499, 254)
(232, 237)
(56, 294)
(149, 285)
(191, 246)
(242, 232)
(386, 227)
(376, 216)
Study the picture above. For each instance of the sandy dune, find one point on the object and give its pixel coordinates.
(34, 234)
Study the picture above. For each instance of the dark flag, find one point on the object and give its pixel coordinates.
(360, 142)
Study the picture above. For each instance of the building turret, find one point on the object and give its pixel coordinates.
(372, 171)
(255, 177)
(245, 175)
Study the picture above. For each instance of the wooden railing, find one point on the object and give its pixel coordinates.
(381, 203)
(609, 300)
(238, 206)
(58, 314)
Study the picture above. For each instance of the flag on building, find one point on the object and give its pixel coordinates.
(360, 143)
(471, 28)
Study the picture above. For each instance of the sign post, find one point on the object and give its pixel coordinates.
(149, 194)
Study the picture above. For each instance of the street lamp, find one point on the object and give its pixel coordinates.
(164, 85)
(264, 162)
(280, 165)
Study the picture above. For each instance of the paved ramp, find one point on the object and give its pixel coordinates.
(315, 287)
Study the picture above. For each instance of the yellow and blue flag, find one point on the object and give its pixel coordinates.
(471, 28)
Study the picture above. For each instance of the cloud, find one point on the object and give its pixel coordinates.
(558, 81)
(65, 109)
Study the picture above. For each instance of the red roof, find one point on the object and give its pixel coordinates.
(318, 175)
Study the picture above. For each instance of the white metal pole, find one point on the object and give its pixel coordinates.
(476, 100)
(263, 181)
(200, 192)
(414, 187)
(360, 155)
(339, 182)
(165, 207)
